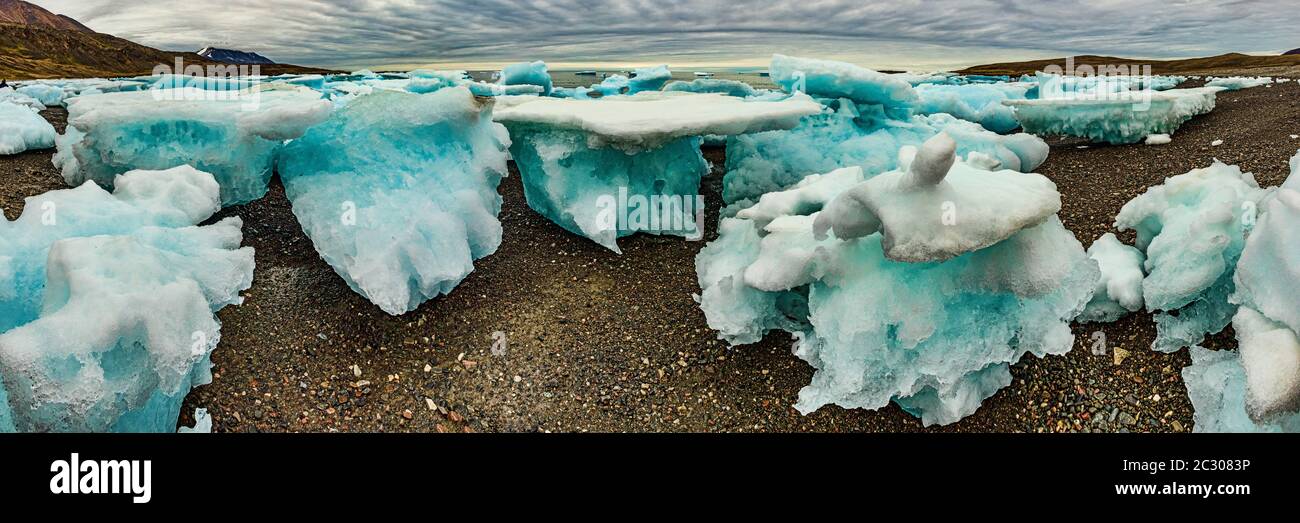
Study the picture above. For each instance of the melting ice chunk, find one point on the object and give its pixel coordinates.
(609, 168)
(1119, 118)
(1119, 291)
(1192, 230)
(832, 79)
(23, 129)
(398, 192)
(937, 207)
(528, 73)
(107, 303)
(233, 137)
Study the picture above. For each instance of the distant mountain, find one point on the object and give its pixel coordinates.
(1293, 51)
(1231, 63)
(35, 43)
(22, 13)
(231, 56)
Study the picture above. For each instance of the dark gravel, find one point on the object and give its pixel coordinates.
(601, 342)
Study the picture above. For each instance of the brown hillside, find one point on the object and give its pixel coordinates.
(23, 13)
(28, 52)
(1232, 63)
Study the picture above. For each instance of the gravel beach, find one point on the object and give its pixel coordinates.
(555, 333)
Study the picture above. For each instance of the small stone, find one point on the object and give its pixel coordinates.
(1120, 354)
(1178, 426)
(408, 414)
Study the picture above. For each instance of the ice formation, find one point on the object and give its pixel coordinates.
(828, 79)
(1118, 118)
(233, 137)
(107, 302)
(202, 423)
(1157, 139)
(1119, 291)
(1234, 83)
(398, 192)
(9, 96)
(861, 135)
(23, 129)
(582, 160)
(641, 80)
(933, 209)
(935, 336)
(1217, 386)
(1192, 230)
(712, 85)
(48, 95)
(979, 103)
(528, 73)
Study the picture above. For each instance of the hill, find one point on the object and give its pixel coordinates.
(18, 12)
(232, 56)
(1232, 63)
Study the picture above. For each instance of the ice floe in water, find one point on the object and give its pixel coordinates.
(528, 73)
(398, 192)
(585, 162)
(936, 336)
(22, 128)
(1119, 118)
(107, 302)
(713, 85)
(1192, 230)
(233, 137)
(830, 79)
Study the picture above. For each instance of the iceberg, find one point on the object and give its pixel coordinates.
(854, 135)
(234, 136)
(9, 96)
(398, 192)
(937, 335)
(1119, 291)
(587, 163)
(527, 73)
(1192, 230)
(108, 301)
(23, 129)
(712, 85)
(979, 103)
(1216, 384)
(829, 79)
(48, 95)
(1235, 83)
(1121, 117)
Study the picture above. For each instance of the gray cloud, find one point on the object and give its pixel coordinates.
(898, 33)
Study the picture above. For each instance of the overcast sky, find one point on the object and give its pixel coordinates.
(897, 34)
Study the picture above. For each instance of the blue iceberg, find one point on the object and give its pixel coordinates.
(1119, 117)
(234, 135)
(979, 103)
(108, 301)
(883, 302)
(398, 192)
(23, 129)
(528, 73)
(1192, 230)
(613, 167)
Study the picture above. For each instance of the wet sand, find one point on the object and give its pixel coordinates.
(602, 342)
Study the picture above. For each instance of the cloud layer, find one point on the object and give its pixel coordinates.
(893, 34)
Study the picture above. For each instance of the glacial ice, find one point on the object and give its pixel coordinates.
(107, 302)
(1216, 384)
(1119, 291)
(23, 129)
(1268, 320)
(1192, 230)
(9, 96)
(233, 137)
(48, 95)
(861, 135)
(202, 423)
(1234, 83)
(398, 192)
(935, 207)
(979, 103)
(936, 337)
(831, 79)
(528, 73)
(712, 85)
(580, 158)
(1119, 118)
